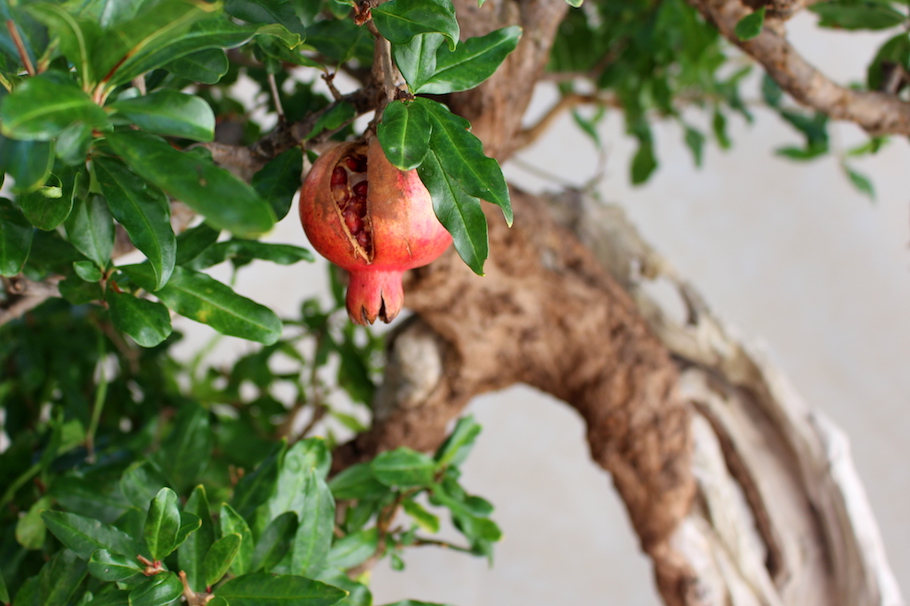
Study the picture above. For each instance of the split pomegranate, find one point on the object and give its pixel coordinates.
(375, 221)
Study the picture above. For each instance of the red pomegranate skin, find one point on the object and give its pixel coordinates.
(375, 231)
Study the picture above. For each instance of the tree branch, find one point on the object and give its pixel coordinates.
(878, 113)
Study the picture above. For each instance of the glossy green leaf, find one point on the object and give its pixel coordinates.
(161, 524)
(147, 322)
(339, 40)
(30, 528)
(417, 59)
(461, 156)
(110, 597)
(317, 524)
(207, 66)
(254, 488)
(334, 118)
(151, 30)
(424, 518)
(278, 181)
(232, 523)
(455, 450)
(27, 162)
(858, 14)
(217, 32)
(144, 212)
(46, 207)
(295, 477)
(168, 112)
(471, 63)
(88, 271)
(751, 25)
(353, 549)
(459, 212)
(267, 11)
(263, 589)
(226, 201)
(77, 35)
(191, 553)
(195, 240)
(201, 298)
(15, 238)
(42, 106)
(107, 566)
(85, 535)
(405, 134)
(219, 558)
(400, 20)
(275, 541)
(357, 482)
(73, 143)
(404, 468)
(189, 523)
(90, 228)
(185, 453)
(60, 578)
(246, 250)
(159, 590)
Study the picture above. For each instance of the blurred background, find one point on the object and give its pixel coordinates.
(790, 254)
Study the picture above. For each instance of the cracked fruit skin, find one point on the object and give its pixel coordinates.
(366, 216)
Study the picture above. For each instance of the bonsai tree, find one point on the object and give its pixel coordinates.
(147, 141)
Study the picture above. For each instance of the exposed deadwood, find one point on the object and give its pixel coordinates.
(878, 113)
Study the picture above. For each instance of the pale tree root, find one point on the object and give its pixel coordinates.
(739, 494)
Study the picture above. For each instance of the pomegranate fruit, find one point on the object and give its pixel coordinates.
(375, 221)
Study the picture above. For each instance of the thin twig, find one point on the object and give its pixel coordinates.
(17, 40)
(273, 86)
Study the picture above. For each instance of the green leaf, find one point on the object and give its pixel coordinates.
(118, 53)
(141, 482)
(267, 12)
(417, 59)
(860, 181)
(30, 529)
(207, 66)
(232, 523)
(90, 228)
(226, 201)
(333, 118)
(275, 542)
(455, 450)
(193, 241)
(751, 25)
(295, 477)
(643, 163)
(159, 590)
(471, 63)
(15, 239)
(107, 566)
(247, 250)
(317, 524)
(209, 33)
(74, 142)
(85, 536)
(147, 322)
(161, 524)
(202, 298)
(424, 518)
(405, 134)
(143, 211)
(461, 156)
(695, 141)
(263, 589)
(404, 468)
(4, 592)
(77, 35)
(27, 162)
(279, 180)
(219, 558)
(460, 213)
(353, 549)
(893, 55)
(47, 207)
(40, 108)
(192, 551)
(858, 14)
(415, 602)
(111, 597)
(357, 482)
(186, 452)
(168, 112)
(254, 488)
(60, 578)
(400, 20)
